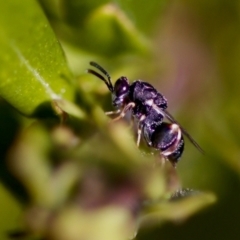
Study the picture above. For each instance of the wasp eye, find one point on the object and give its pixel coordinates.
(121, 87)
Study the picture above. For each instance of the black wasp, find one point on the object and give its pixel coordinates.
(148, 107)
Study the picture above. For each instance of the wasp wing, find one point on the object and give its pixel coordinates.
(167, 115)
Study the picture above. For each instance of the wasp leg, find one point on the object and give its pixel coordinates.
(139, 134)
(140, 127)
(113, 112)
(163, 160)
(126, 108)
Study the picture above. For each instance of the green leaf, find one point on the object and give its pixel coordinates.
(177, 209)
(33, 69)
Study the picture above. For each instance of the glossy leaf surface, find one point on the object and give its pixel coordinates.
(33, 70)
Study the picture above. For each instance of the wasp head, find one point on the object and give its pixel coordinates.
(120, 92)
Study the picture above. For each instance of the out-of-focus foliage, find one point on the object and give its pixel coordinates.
(99, 27)
(71, 173)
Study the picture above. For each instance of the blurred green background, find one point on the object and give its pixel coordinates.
(189, 50)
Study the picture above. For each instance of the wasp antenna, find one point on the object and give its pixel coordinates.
(100, 77)
(110, 86)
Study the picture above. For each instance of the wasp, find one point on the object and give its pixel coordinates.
(149, 108)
